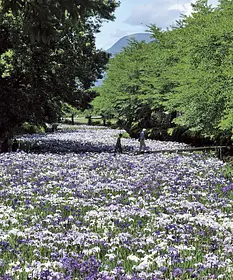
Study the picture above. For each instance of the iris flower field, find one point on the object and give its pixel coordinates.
(74, 210)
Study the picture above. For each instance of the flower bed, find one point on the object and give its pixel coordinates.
(91, 215)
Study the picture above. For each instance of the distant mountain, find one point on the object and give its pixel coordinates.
(122, 43)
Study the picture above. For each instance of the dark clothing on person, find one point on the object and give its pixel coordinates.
(15, 146)
(118, 147)
(142, 140)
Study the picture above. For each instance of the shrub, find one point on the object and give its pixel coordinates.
(32, 128)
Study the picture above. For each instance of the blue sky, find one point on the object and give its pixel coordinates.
(133, 16)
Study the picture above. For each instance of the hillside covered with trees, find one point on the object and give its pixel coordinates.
(180, 85)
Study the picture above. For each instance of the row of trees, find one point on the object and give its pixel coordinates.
(180, 82)
(47, 57)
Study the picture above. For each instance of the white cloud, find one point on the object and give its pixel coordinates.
(159, 12)
(184, 8)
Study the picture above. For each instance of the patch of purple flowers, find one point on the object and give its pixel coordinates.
(227, 188)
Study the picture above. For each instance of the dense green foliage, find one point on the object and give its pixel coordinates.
(43, 20)
(39, 73)
(181, 81)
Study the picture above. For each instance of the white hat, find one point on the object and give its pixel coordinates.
(143, 129)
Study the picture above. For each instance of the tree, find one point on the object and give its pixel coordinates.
(133, 90)
(44, 19)
(183, 79)
(203, 72)
(36, 78)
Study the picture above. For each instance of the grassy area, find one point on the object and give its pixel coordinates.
(95, 121)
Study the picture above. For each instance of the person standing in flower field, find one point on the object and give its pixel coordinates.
(15, 146)
(118, 147)
(142, 138)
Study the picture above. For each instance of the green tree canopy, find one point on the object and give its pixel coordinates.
(36, 77)
(132, 87)
(203, 70)
(44, 19)
(186, 72)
